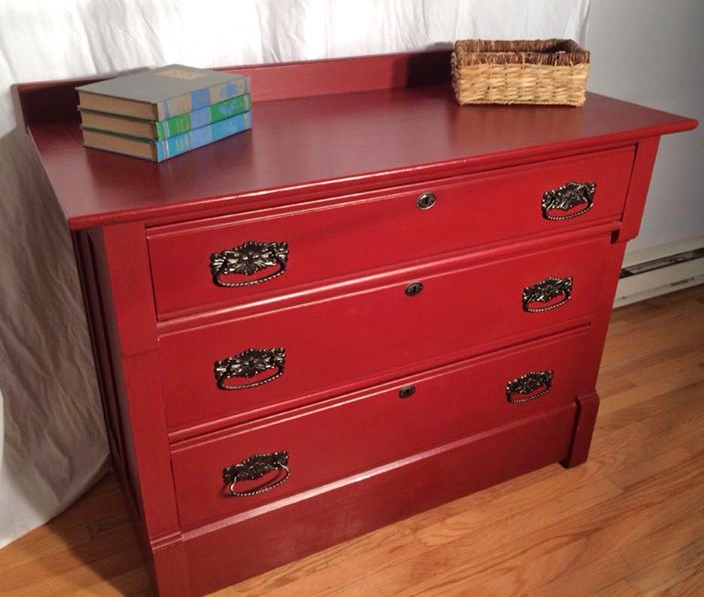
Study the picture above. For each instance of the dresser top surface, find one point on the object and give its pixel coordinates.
(305, 147)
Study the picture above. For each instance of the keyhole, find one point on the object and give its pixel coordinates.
(406, 392)
(426, 201)
(414, 288)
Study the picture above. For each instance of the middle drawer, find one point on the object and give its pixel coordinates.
(275, 360)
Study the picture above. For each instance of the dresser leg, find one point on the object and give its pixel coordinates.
(171, 577)
(587, 407)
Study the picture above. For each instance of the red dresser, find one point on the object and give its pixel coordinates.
(374, 302)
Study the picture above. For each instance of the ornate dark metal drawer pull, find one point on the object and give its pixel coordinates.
(248, 259)
(249, 363)
(566, 198)
(526, 386)
(255, 467)
(544, 292)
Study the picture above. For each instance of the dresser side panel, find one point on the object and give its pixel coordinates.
(84, 249)
(127, 263)
(138, 393)
(587, 409)
(646, 151)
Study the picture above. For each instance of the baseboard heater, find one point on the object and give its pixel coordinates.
(653, 272)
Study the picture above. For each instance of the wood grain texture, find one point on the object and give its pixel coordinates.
(629, 522)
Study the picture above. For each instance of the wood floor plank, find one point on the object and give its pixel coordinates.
(77, 551)
(659, 381)
(633, 451)
(619, 551)
(628, 523)
(692, 586)
(575, 541)
(619, 589)
(671, 570)
(603, 576)
(685, 531)
(628, 407)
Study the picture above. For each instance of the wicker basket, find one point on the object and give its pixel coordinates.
(551, 71)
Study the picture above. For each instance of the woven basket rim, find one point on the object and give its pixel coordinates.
(549, 52)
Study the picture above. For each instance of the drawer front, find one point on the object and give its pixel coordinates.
(230, 261)
(348, 436)
(285, 357)
(291, 529)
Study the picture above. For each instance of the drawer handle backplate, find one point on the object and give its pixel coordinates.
(255, 467)
(546, 291)
(566, 198)
(528, 386)
(248, 259)
(248, 364)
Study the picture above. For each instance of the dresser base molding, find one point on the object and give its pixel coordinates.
(587, 408)
(250, 543)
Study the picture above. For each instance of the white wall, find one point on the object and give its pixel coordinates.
(650, 52)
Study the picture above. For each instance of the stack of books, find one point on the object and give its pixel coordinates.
(160, 113)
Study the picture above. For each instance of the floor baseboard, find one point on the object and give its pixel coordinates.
(659, 270)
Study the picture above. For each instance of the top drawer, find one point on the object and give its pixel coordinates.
(235, 259)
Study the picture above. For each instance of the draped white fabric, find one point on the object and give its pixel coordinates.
(53, 445)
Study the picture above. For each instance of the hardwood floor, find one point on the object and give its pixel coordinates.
(629, 522)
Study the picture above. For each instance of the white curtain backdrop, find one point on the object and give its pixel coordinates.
(52, 443)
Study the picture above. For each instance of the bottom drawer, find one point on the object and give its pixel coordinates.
(229, 551)
(354, 433)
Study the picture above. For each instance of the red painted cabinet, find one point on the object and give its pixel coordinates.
(303, 336)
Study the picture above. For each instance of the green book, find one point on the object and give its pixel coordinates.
(164, 129)
(161, 93)
(158, 151)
